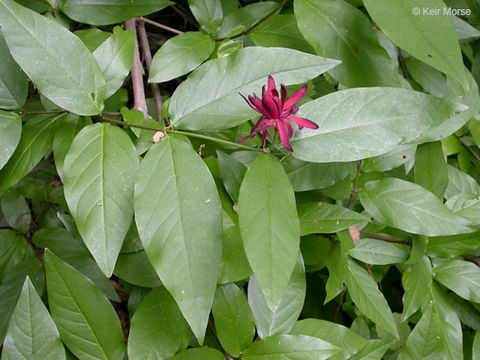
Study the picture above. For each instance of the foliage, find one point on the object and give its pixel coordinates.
(282, 180)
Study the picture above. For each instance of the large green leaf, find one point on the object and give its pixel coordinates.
(71, 250)
(178, 213)
(460, 182)
(180, 55)
(234, 321)
(431, 168)
(374, 350)
(282, 319)
(269, 226)
(58, 62)
(232, 174)
(368, 299)
(13, 83)
(16, 211)
(409, 207)
(290, 347)
(349, 38)
(318, 218)
(99, 174)
(108, 12)
(336, 334)
(337, 270)
(32, 334)
(86, 320)
(36, 139)
(12, 286)
(10, 132)
(199, 354)
(135, 269)
(209, 98)
(157, 330)
(476, 347)
(377, 252)
(306, 176)
(280, 30)
(462, 277)
(429, 37)
(366, 122)
(115, 58)
(417, 286)
(14, 249)
(209, 13)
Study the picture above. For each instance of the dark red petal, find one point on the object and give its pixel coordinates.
(283, 90)
(250, 104)
(271, 84)
(295, 97)
(264, 136)
(269, 104)
(301, 122)
(245, 138)
(259, 125)
(284, 136)
(289, 128)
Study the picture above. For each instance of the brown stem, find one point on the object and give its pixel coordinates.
(470, 150)
(472, 258)
(251, 28)
(354, 189)
(42, 112)
(403, 67)
(139, 102)
(387, 238)
(161, 26)
(124, 123)
(111, 113)
(142, 33)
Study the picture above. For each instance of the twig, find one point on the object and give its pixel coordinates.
(354, 189)
(124, 123)
(161, 26)
(142, 33)
(403, 67)
(42, 112)
(111, 113)
(472, 258)
(251, 28)
(139, 102)
(387, 238)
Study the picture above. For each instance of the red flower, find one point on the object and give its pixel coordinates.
(276, 111)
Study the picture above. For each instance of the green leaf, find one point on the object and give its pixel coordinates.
(269, 226)
(306, 176)
(179, 55)
(10, 132)
(232, 174)
(464, 30)
(290, 347)
(449, 246)
(68, 128)
(374, 350)
(283, 318)
(368, 299)
(243, 18)
(462, 277)
(349, 38)
(335, 334)
(157, 330)
(92, 37)
(197, 103)
(417, 286)
(234, 321)
(37, 137)
(377, 252)
(115, 58)
(409, 207)
(32, 334)
(280, 30)
(13, 250)
(86, 320)
(337, 270)
(358, 123)
(318, 218)
(476, 347)
(12, 286)
(427, 77)
(178, 212)
(13, 83)
(431, 168)
(71, 250)
(400, 155)
(108, 12)
(135, 269)
(430, 38)
(460, 182)
(16, 211)
(72, 80)
(209, 14)
(99, 171)
(199, 354)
